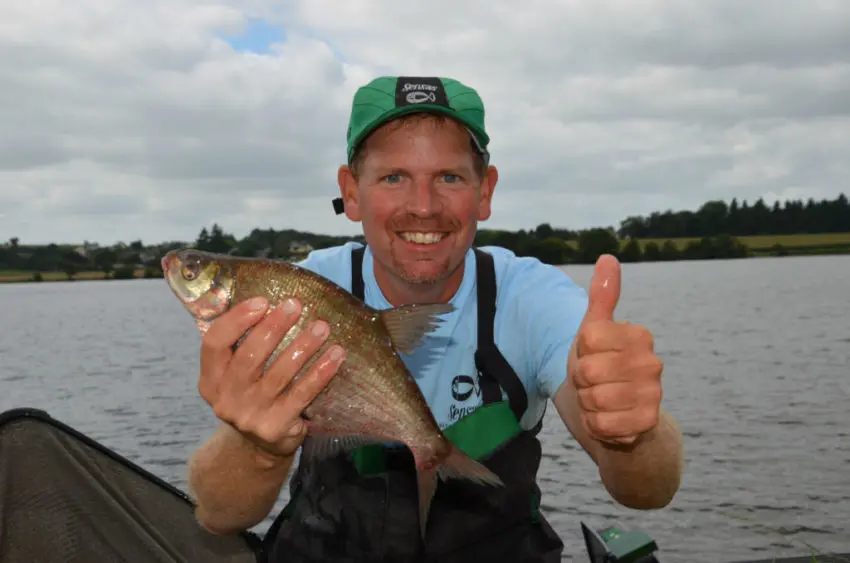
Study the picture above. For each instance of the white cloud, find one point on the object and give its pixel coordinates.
(127, 120)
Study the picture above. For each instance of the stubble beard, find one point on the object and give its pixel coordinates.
(421, 274)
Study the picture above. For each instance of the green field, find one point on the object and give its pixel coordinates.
(765, 242)
(833, 243)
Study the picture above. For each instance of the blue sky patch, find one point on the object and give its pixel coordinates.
(259, 36)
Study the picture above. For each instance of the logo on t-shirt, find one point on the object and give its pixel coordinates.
(464, 388)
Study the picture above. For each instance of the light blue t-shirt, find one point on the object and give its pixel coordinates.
(538, 311)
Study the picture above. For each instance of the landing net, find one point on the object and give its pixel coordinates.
(64, 498)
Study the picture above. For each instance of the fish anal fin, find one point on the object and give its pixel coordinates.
(409, 324)
(460, 466)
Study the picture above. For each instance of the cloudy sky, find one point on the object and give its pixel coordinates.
(123, 119)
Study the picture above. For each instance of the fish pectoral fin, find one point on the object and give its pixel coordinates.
(322, 446)
(409, 324)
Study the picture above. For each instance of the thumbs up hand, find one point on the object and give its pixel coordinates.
(613, 366)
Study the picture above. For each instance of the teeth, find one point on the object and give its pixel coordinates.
(423, 238)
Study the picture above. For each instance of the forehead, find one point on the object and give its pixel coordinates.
(419, 134)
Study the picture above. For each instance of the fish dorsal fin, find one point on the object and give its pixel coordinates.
(409, 324)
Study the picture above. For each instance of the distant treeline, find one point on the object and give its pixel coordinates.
(714, 231)
(125, 260)
(717, 218)
(557, 247)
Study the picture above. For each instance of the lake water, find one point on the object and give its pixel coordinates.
(757, 371)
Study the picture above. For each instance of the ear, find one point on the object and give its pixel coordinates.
(488, 186)
(349, 192)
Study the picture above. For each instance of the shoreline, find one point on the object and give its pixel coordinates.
(53, 277)
(21, 276)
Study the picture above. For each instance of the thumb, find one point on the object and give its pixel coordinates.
(604, 289)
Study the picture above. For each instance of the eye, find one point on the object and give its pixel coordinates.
(190, 271)
(451, 178)
(392, 178)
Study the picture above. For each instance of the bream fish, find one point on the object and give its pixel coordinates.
(373, 398)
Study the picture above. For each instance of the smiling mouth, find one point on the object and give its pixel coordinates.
(418, 237)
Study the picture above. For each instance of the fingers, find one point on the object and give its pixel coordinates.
(608, 368)
(598, 369)
(618, 397)
(605, 337)
(216, 346)
(229, 327)
(292, 403)
(294, 357)
(252, 355)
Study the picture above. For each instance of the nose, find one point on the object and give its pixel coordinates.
(423, 199)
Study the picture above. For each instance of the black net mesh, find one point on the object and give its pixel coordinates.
(66, 499)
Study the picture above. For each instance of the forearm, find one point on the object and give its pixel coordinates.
(648, 473)
(643, 475)
(234, 485)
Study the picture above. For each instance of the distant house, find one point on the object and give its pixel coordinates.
(147, 256)
(86, 248)
(300, 248)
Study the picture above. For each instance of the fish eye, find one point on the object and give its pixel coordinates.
(190, 270)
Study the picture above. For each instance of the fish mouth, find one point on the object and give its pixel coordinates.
(165, 261)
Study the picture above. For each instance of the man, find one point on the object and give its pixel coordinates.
(418, 178)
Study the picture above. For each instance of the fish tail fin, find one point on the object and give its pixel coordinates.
(458, 465)
(427, 487)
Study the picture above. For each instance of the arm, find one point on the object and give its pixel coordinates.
(643, 475)
(621, 392)
(234, 483)
(237, 474)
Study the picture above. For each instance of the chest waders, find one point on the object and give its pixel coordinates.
(363, 506)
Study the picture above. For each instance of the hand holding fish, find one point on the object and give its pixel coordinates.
(253, 401)
(613, 366)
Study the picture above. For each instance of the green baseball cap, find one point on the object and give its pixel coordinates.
(388, 97)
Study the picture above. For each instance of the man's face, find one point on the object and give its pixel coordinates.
(419, 197)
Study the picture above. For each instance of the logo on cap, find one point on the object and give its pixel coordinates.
(420, 90)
